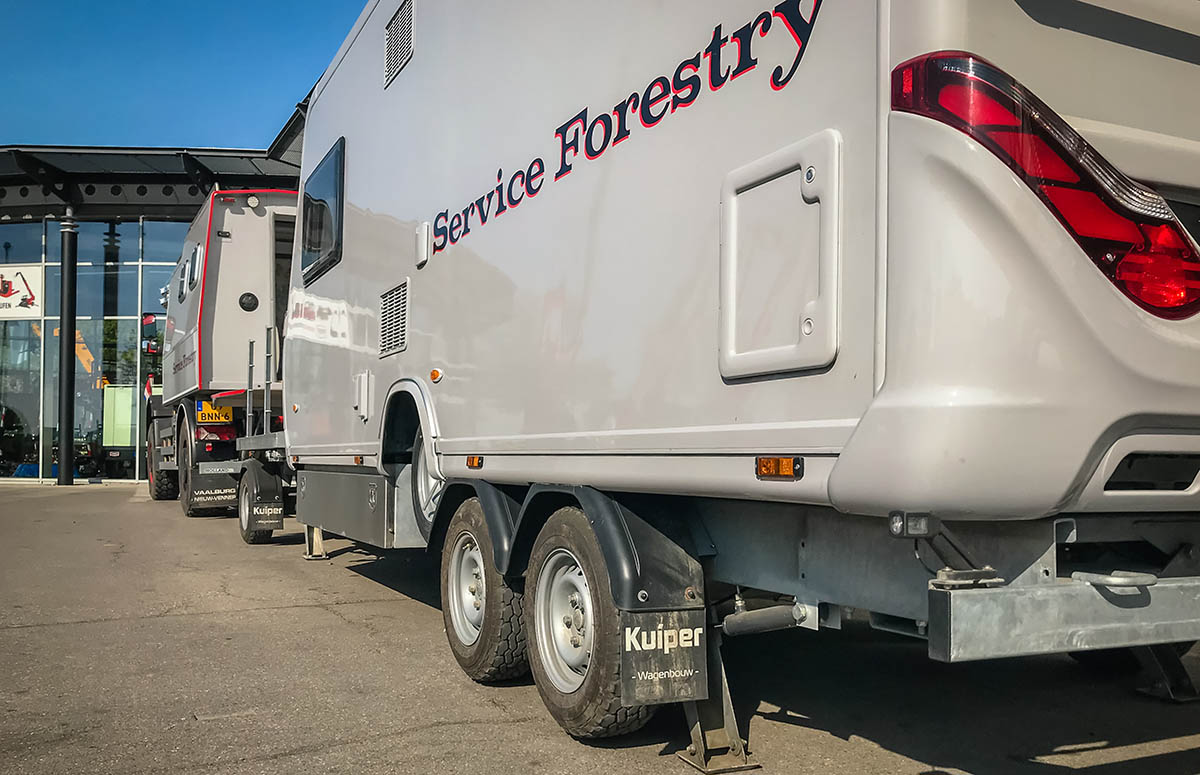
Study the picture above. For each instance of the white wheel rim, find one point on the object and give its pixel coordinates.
(563, 620)
(465, 589)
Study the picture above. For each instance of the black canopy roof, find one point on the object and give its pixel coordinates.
(107, 182)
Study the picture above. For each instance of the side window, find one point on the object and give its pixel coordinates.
(195, 265)
(321, 247)
(185, 268)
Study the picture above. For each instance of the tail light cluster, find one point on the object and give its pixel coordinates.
(1127, 229)
(215, 433)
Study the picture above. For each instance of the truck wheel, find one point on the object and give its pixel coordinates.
(576, 631)
(1118, 662)
(183, 454)
(245, 500)
(163, 484)
(483, 614)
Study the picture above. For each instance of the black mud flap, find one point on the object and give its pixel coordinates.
(266, 516)
(663, 657)
(266, 501)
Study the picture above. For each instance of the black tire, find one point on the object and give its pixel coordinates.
(164, 486)
(1118, 662)
(594, 709)
(245, 497)
(498, 650)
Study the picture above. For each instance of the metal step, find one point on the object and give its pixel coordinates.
(262, 441)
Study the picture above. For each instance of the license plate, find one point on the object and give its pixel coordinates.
(206, 413)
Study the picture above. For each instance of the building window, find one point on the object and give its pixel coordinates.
(163, 240)
(109, 290)
(154, 279)
(21, 243)
(106, 242)
(20, 384)
(123, 265)
(321, 248)
(105, 434)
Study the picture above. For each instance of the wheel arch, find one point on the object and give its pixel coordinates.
(407, 409)
(182, 418)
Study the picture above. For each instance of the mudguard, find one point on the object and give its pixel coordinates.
(266, 495)
(673, 580)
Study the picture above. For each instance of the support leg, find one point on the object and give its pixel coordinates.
(716, 744)
(314, 544)
(1169, 678)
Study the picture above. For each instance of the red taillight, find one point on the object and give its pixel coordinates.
(1127, 230)
(1163, 272)
(215, 433)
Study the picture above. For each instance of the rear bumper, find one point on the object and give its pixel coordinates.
(970, 624)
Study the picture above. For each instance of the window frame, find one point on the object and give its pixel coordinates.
(333, 256)
(185, 270)
(194, 264)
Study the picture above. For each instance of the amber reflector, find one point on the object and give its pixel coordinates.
(783, 468)
(475, 462)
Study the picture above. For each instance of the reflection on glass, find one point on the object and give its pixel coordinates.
(99, 291)
(21, 243)
(154, 279)
(152, 352)
(106, 399)
(99, 241)
(20, 356)
(108, 382)
(163, 240)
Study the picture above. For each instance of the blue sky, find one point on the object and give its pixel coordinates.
(170, 73)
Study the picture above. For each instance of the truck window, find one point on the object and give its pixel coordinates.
(195, 263)
(321, 248)
(184, 269)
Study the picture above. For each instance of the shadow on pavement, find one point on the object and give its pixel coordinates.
(1029, 715)
(411, 572)
(1040, 714)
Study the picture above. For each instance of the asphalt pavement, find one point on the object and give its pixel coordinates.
(135, 640)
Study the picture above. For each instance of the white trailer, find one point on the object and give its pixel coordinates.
(227, 300)
(662, 321)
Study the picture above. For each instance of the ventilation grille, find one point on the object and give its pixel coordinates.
(393, 320)
(399, 42)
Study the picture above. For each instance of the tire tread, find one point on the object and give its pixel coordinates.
(509, 659)
(507, 656)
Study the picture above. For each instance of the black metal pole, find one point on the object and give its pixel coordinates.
(66, 351)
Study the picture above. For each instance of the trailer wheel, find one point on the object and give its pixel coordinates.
(164, 486)
(1118, 662)
(482, 613)
(576, 631)
(245, 500)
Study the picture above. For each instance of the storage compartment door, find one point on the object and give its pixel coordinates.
(780, 223)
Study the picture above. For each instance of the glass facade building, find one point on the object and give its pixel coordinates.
(118, 343)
